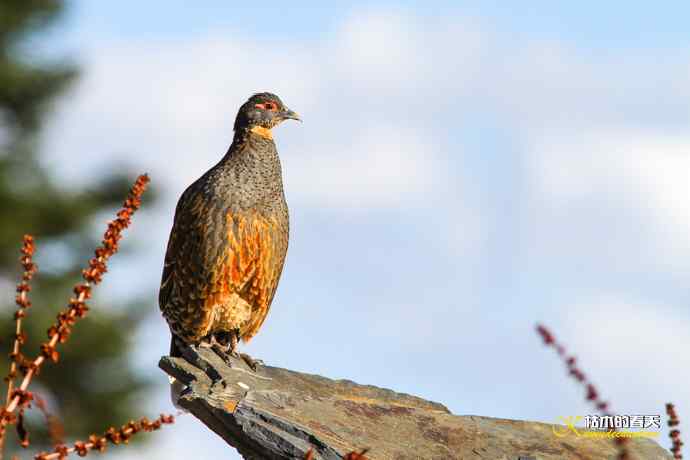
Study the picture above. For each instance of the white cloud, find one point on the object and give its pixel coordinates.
(649, 165)
(636, 353)
(168, 107)
(381, 99)
(375, 107)
(620, 172)
(380, 166)
(380, 50)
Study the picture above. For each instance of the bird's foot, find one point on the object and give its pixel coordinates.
(210, 343)
(223, 350)
(223, 353)
(251, 362)
(226, 352)
(227, 349)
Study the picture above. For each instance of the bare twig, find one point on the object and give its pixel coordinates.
(577, 374)
(23, 303)
(58, 333)
(112, 436)
(356, 455)
(22, 433)
(674, 434)
(351, 456)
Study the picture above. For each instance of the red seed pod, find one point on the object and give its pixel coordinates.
(80, 448)
(356, 455)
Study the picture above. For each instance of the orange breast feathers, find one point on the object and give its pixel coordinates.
(247, 273)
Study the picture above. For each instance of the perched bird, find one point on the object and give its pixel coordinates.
(229, 238)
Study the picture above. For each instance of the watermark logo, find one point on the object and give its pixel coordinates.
(608, 426)
(569, 427)
(617, 422)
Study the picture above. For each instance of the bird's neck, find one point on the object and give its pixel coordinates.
(262, 132)
(253, 150)
(257, 134)
(252, 161)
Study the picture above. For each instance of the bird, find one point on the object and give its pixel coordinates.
(229, 239)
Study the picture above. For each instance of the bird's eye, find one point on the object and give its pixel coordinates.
(267, 106)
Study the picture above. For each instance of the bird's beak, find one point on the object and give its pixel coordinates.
(288, 114)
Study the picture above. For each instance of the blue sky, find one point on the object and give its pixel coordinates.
(614, 24)
(464, 171)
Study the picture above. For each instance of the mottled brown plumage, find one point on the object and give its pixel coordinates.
(229, 237)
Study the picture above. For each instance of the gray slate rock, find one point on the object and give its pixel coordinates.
(280, 414)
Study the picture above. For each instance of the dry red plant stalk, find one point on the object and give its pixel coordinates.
(112, 436)
(674, 434)
(16, 358)
(577, 374)
(356, 455)
(23, 303)
(20, 398)
(351, 456)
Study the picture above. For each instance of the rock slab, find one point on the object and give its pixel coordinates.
(280, 414)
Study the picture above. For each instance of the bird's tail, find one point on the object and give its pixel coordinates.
(176, 387)
(175, 351)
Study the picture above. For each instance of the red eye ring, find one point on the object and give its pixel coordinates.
(267, 106)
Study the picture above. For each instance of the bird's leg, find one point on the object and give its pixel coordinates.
(251, 362)
(232, 350)
(209, 342)
(233, 342)
(225, 344)
(205, 344)
(221, 344)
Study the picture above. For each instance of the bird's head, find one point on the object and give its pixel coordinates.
(262, 112)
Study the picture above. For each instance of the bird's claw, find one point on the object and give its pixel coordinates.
(229, 350)
(251, 362)
(226, 354)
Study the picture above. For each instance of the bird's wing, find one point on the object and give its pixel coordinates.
(186, 268)
(252, 264)
(216, 254)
